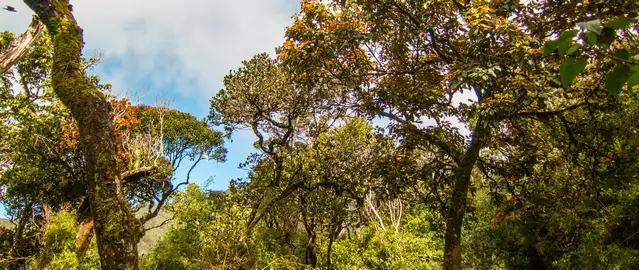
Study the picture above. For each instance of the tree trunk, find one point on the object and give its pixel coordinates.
(457, 207)
(331, 238)
(83, 239)
(311, 253)
(17, 235)
(116, 228)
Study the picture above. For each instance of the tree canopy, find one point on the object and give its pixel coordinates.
(390, 134)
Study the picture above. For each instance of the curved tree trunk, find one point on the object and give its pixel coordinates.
(116, 228)
(457, 207)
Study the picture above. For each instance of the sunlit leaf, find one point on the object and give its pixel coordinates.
(594, 26)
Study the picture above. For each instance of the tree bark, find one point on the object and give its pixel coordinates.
(311, 252)
(457, 207)
(20, 46)
(83, 239)
(17, 235)
(116, 228)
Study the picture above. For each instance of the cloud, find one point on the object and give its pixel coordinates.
(190, 44)
(184, 47)
(181, 49)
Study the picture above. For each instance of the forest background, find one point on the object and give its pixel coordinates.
(508, 141)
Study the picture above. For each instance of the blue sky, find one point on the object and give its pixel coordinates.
(177, 49)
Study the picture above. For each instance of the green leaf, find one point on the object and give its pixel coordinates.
(550, 46)
(593, 26)
(565, 41)
(607, 36)
(620, 22)
(563, 47)
(570, 68)
(616, 79)
(562, 43)
(633, 80)
(591, 38)
(572, 49)
(568, 35)
(622, 54)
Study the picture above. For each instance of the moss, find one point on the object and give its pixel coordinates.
(117, 229)
(53, 25)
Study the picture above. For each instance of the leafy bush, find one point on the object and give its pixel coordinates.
(58, 251)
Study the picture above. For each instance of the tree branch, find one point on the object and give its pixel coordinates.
(137, 174)
(545, 114)
(159, 225)
(19, 47)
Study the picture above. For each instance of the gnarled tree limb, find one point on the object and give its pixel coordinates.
(137, 174)
(20, 46)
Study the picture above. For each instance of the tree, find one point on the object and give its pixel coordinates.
(143, 179)
(117, 229)
(262, 97)
(38, 169)
(510, 137)
(408, 61)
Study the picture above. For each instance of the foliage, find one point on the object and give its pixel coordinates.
(58, 251)
(208, 234)
(602, 35)
(510, 143)
(415, 246)
(43, 164)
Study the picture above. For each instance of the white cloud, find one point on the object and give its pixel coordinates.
(187, 44)
(180, 48)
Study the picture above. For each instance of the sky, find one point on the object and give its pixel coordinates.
(180, 50)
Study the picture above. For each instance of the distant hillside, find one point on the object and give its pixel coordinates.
(152, 237)
(5, 223)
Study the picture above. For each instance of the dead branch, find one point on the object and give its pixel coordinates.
(20, 46)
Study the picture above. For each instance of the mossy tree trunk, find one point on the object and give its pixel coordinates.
(116, 228)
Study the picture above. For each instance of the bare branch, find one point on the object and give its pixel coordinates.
(371, 207)
(159, 225)
(19, 47)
